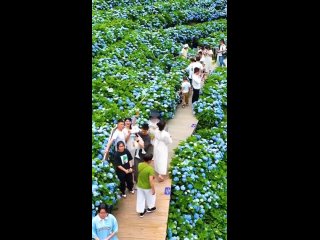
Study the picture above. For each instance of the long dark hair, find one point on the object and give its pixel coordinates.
(161, 124)
(129, 120)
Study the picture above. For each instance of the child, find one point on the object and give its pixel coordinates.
(146, 194)
(185, 89)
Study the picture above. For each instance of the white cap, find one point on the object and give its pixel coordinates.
(185, 46)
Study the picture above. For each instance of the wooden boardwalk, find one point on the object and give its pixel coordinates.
(154, 225)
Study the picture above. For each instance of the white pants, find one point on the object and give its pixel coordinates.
(145, 197)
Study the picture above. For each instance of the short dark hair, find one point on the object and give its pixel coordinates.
(120, 120)
(161, 124)
(120, 142)
(103, 206)
(196, 69)
(198, 58)
(185, 78)
(147, 157)
(145, 126)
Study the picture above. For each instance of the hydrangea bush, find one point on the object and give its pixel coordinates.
(212, 103)
(104, 185)
(198, 204)
(135, 67)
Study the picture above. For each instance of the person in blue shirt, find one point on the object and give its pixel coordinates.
(104, 225)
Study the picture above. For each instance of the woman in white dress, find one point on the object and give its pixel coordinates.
(161, 141)
(208, 59)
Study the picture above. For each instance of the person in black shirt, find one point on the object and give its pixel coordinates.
(123, 170)
(146, 145)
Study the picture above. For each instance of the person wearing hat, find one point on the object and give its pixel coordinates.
(184, 51)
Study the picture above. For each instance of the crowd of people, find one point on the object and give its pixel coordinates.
(200, 67)
(141, 152)
(135, 147)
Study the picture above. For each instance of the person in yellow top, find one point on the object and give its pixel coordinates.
(146, 194)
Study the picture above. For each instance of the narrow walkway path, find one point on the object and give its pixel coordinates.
(154, 225)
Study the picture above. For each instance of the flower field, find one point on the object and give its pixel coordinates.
(198, 206)
(136, 67)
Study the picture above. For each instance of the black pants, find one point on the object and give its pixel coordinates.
(135, 167)
(125, 179)
(195, 95)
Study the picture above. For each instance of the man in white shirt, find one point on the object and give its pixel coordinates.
(190, 69)
(196, 84)
(116, 136)
(198, 64)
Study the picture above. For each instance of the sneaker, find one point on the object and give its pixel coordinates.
(132, 192)
(124, 195)
(151, 209)
(142, 214)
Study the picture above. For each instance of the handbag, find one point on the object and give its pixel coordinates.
(225, 53)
